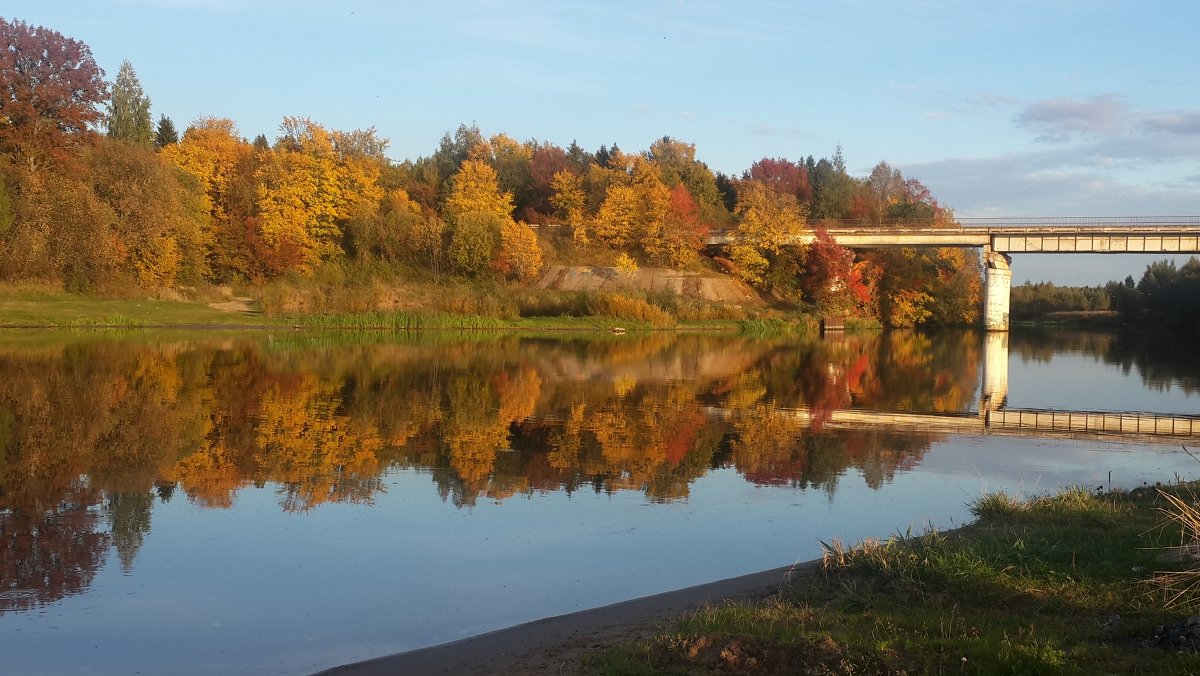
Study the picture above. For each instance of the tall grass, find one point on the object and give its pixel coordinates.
(1181, 587)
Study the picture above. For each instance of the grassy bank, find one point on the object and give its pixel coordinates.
(37, 307)
(1069, 584)
(40, 307)
(1078, 319)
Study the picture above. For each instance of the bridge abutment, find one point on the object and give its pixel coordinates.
(997, 286)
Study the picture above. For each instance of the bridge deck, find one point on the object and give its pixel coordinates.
(1022, 235)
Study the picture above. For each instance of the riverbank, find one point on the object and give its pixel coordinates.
(1072, 583)
(35, 307)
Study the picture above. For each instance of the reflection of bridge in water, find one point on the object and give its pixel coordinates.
(995, 417)
(1011, 422)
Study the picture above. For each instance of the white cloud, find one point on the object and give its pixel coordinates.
(1060, 120)
(1184, 123)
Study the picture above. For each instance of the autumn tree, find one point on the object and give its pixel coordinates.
(162, 218)
(676, 162)
(546, 160)
(519, 256)
(512, 163)
(307, 190)
(568, 199)
(225, 166)
(129, 109)
(474, 240)
(782, 176)
(61, 232)
(211, 150)
(682, 233)
(883, 188)
(401, 231)
(831, 279)
(476, 189)
(49, 89)
(445, 162)
(768, 222)
(635, 210)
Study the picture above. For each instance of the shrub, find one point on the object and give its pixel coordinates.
(625, 307)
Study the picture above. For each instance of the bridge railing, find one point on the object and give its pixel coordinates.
(1125, 222)
(1082, 221)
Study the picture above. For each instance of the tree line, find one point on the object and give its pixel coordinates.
(1166, 296)
(94, 195)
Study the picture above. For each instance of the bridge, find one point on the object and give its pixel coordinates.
(1001, 237)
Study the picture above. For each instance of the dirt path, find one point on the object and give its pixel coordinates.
(235, 305)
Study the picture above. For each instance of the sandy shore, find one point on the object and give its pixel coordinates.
(554, 644)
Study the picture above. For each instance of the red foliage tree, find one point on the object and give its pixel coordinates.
(50, 87)
(545, 161)
(782, 176)
(831, 271)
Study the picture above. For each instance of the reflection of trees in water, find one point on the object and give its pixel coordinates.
(128, 517)
(773, 447)
(493, 419)
(1163, 360)
(49, 553)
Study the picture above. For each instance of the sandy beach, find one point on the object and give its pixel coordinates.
(555, 644)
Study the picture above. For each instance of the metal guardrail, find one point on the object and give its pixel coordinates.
(1122, 223)
(1049, 225)
(1102, 422)
(1082, 221)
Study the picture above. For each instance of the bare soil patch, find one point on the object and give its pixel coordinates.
(708, 286)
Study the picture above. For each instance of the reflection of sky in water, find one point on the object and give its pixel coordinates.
(1081, 382)
(254, 589)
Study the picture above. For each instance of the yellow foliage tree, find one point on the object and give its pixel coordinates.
(519, 255)
(307, 190)
(568, 199)
(210, 151)
(509, 158)
(475, 189)
(909, 307)
(617, 220)
(769, 220)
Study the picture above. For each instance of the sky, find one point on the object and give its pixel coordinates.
(1005, 108)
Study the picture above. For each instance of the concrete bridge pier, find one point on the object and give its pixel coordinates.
(997, 285)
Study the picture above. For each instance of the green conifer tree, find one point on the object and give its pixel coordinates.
(166, 134)
(129, 109)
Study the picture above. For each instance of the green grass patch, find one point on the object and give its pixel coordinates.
(1066, 584)
(46, 308)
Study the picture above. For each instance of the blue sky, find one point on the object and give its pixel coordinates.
(1005, 108)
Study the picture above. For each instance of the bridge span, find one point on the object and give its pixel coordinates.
(1001, 237)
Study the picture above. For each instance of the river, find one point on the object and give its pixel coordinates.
(284, 502)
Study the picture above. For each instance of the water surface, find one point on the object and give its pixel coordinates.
(286, 502)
